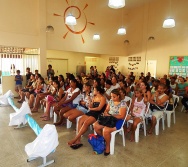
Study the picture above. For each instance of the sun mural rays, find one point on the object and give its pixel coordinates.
(80, 13)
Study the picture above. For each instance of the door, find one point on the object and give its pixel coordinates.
(60, 66)
(151, 66)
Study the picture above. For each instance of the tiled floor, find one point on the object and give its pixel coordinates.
(169, 149)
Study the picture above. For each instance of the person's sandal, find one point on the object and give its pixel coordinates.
(43, 116)
(76, 146)
(46, 119)
(106, 154)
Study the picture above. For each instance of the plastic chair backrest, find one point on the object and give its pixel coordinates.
(125, 117)
(175, 101)
(130, 101)
(147, 108)
(167, 102)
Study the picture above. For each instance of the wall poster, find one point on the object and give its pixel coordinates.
(178, 65)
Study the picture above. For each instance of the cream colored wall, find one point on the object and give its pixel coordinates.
(104, 62)
(110, 42)
(24, 26)
(146, 21)
(8, 83)
(88, 59)
(19, 23)
(74, 58)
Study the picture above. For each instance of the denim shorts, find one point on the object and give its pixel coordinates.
(80, 108)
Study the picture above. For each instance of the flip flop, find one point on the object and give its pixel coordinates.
(46, 119)
(43, 116)
(76, 146)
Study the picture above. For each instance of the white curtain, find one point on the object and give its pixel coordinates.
(31, 61)
(12, 62)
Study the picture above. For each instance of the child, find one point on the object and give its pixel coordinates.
(137, 109)
(18, 79)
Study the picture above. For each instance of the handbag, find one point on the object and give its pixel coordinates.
(108, 121)
(97, 142)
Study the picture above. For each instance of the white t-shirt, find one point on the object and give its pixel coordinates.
(69, 95)
(127, 98)
(108, 91)
(115, 86)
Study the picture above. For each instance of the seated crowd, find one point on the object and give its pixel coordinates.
(88, 96)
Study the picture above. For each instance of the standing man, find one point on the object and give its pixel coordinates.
(50, 71)
(28, 74)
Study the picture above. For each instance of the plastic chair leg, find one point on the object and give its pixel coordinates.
(51, 112)
(123, 137)
(137, 133)
(77, 120)
(163, 123)
(144, 124)
(169, 119)
(112, 143)
(69, 124)
(182, 108)
(174, 117)
(157, 127)
(55, 117)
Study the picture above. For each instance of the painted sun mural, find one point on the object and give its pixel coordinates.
(79, 12)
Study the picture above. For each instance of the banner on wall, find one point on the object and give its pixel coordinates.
(178, 65)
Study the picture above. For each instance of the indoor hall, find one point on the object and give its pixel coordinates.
(37, 28)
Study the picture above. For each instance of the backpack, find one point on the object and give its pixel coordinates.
(97, 142)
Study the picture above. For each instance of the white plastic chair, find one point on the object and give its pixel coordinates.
(51, 111)
(130, 101)
(55, 117)
(69, 124)
(77, 119)
(163, 118)
(138, 126)
(113, 134)
(168, 113)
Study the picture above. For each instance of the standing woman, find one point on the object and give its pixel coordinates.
(117, 109)
(96, 107)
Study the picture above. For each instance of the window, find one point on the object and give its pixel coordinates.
(9, 63)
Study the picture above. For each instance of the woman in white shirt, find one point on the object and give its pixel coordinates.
(108, 89)
(69, 101)
(115, 85)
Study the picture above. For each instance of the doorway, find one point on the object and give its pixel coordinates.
(60, 66)
(151, 66)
